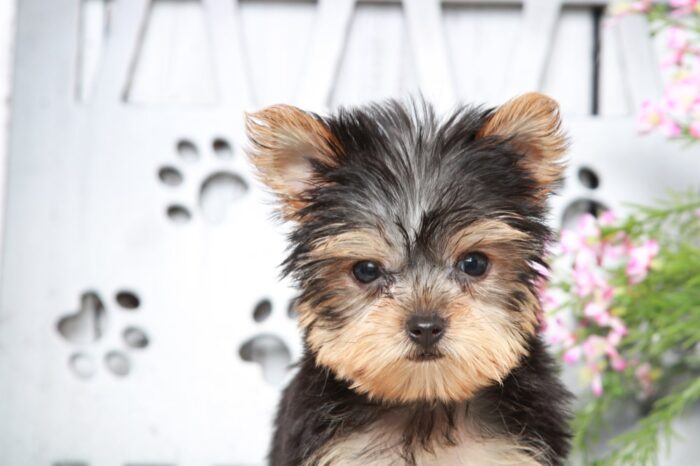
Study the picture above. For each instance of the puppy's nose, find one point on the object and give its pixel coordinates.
(425, 329)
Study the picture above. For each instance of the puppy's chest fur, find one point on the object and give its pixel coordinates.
(383, 443)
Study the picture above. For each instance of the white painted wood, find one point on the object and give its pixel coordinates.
(119, 58)
(276, 77)
(481, 41)
(640, 63)
(568, 74)
(426, 32)
(327, 44)
(230, 67)
(533, 46)
(174, 63)
(377, 62)
(7, 30)
(86, 209)
(615, 95)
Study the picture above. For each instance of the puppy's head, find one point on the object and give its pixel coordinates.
(416, 240)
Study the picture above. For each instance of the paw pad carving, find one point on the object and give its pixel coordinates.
(87, 327)
(266, 349)
(217, 187)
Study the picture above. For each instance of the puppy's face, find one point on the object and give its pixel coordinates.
(416, 240)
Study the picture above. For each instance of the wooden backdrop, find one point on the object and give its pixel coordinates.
(142, 321)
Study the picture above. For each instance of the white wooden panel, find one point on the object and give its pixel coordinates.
(481, 41)
(615, 96)
(88, 173)
(129, 18)
(568, 76)
(7, 29)
(327, 44)
(174, 63)
(377, 62)
(232, 71)
(425, 25)
(277, 38)
(533, 46)
(640, 62)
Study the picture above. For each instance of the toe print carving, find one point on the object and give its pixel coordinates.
(265, 348)
(87, 324)
(205, 181)
(88, 327)
(271, 353)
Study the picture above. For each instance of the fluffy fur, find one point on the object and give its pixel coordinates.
(394, 184)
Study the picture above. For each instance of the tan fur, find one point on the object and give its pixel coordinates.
(284, 141)
(532, 123)
(484, 233)
(380, 445)
(483, 342)
(357, 245)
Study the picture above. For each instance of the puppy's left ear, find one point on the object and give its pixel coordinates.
(531, 123)
(287, 145)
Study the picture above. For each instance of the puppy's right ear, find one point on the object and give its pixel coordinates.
(287, 144)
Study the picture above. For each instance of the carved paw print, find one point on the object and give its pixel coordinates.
(266, 348)
(87, 327)
(207, 181)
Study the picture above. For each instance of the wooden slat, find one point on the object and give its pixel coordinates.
(232, 71)
(534, 46)
(121, 49)
(641, 72)
(327, 44)
(425, 27)
(614, 95)
(590, 3)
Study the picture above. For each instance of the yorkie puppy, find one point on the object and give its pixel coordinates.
(417, 247)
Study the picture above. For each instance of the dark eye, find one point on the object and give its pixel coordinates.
(474, 264)
(366, 271)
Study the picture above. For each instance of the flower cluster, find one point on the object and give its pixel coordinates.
(594, 263)
(677, 113)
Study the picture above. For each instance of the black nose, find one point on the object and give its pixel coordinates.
(425, 329)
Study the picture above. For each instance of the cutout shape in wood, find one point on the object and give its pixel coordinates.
(218, 187)
(266, 349)
(88, 325)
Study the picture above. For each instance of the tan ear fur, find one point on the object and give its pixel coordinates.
(284, 143)
(533, 125)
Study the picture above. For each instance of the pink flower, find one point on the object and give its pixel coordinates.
(558, 333)
(671, 129)
(607, 218)
(617, 362)
(597, 312)
(594, 347)
(584, 281)
(613, 253)
(677, 38)
(618, 330)
(570, 241)
(572, 355)
(588, 226)
(683, 7)
(625, 8)
(597, 384)
(650, 116)
(640, 260)
(694, 129)
(681, 94)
